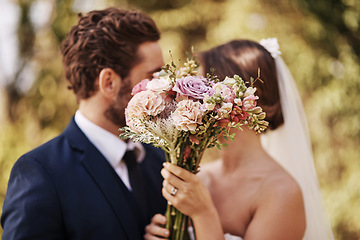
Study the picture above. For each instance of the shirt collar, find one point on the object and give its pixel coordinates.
(108, 144)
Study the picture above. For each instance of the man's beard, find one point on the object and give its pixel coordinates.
(116, 111)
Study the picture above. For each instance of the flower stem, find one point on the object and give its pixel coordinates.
(169, 218)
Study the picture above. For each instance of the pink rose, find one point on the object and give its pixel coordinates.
(249, 102)
(192, 86)
(187, 115)
(143, 104)
(141, 86)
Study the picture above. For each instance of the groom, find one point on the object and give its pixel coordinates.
(86, 183)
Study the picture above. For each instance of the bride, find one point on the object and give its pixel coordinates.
(263, 187)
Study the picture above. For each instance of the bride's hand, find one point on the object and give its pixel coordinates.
(185, 191)
(189, 195)
(155, 230)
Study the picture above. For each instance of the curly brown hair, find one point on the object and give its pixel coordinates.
(244, 58)
(107, 38)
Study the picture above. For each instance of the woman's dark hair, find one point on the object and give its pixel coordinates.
(244, 58)
(104, 39)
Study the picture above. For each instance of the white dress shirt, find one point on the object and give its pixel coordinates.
(110, 146)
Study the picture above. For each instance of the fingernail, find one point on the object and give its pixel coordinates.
(164, 220)
(164, 164)
(166, 232)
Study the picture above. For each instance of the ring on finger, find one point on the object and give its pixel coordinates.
(173, 191)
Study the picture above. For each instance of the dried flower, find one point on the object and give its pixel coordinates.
(187, 115)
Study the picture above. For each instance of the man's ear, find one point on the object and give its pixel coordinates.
(109, 83)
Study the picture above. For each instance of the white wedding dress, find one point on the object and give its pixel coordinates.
(227, 236)
(231, 237)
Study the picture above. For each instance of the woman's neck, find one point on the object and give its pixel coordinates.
(245, 149)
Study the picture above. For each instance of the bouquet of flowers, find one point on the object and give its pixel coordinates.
(183, 113)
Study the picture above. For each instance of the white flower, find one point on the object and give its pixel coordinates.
(218, 87)
(225, 110)
(159, 85)
(226, 92)
(183, 72)
(250, 102)
(238, 101)
(250, 91)
(210, 106)
(229, 81)
(272, 46)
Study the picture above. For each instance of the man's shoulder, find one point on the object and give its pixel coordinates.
(48, 152)
(58, 146)
(49, 146)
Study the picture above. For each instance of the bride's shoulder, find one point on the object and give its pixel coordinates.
(283, 184)
(282, 195)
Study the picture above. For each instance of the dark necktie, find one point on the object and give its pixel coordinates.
(136, 181)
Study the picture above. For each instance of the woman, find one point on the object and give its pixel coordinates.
(248, 193)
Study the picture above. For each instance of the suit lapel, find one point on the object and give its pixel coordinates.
(105, 178)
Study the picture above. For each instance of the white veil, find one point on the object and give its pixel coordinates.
(290, 146)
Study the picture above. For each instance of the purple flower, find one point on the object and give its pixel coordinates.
(192, 86)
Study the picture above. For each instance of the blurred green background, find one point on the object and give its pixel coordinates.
(320, 42)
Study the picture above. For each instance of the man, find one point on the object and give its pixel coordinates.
(80, 185)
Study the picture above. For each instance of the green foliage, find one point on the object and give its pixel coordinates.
(319, 41)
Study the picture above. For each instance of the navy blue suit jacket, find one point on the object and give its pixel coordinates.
(66, 189)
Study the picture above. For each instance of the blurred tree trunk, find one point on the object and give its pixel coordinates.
(26, 36)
